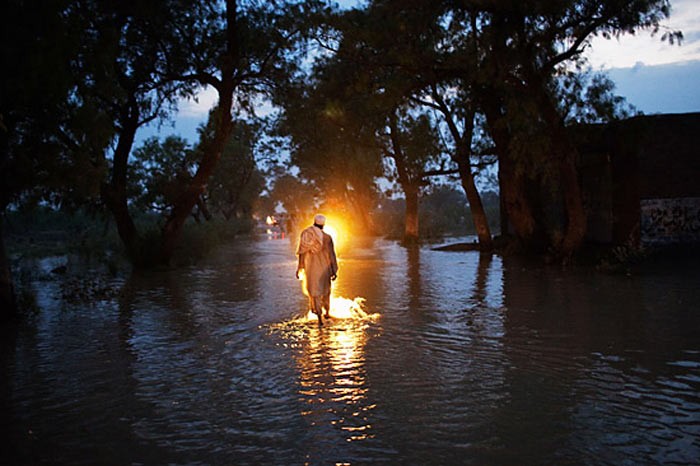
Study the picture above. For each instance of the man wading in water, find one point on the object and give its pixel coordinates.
(317, 260)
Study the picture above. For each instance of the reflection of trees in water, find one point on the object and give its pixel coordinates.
(233, 273)
(363, 272)
(174, 353)
(480, 288)
(540, 374)
(582, 356)
(413, 275)
(133, 409)
(442, 361)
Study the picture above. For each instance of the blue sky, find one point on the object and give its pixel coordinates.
(654, 76)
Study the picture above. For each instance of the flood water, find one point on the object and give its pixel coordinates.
(471, 360)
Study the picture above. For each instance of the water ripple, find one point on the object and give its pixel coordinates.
(472, 361)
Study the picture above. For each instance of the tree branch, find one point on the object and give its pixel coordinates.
(427, 173)
(574, 49)
(202, 77)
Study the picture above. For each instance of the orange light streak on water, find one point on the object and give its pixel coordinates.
(345, 308)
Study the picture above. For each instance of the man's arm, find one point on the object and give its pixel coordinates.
(334, 261)
(300, 265)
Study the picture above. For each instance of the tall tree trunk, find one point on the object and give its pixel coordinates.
(462, 157)
(187, 199)
(481, 222)
(360, 211)
(114, 193)
(184, 203)
(565, 155)
(408, 181)
(516, 189)
(512, 182)
(573, 199)
(411, 220)
(202, 206)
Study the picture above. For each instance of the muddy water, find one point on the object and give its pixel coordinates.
(471, 360)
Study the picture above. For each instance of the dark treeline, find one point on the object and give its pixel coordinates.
(408, 91)
(443, 211)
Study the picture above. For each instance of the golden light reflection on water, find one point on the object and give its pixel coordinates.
(331, 364)
(344, 308)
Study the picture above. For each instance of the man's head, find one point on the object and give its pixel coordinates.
(319, 221)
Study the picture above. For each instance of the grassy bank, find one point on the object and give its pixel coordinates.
(45, 232)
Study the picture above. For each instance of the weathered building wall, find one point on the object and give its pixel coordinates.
(641, 179)
(672, 220)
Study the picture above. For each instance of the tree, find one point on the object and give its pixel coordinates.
(237, 182)
(140, 57)
(121, 77)
(443, 211)
(35, 100)
(158, 171)
(508, 56)
(412, 144)
(365, 112)
(459, 115)
(387, 76)
(242, 52)
(526, 49)
(161, 168)
(296, 197)
(331, 147)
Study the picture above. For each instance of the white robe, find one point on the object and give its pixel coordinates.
(319, 263)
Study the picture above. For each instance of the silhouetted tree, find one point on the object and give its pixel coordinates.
(509, 57)
(237, 181)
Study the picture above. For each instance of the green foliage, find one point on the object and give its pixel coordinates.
(413, 145)
(37, 105)
(443, 212)
(297, 198)
(588, 97)
(328, 144)
(158, 171)
(199, 239)
(78, 69)
(161, 168)
(42, 231)
(237, 182)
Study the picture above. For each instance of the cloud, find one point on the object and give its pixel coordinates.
(205, 101)
(650, 50)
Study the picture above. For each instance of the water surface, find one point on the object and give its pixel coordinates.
(472, 360)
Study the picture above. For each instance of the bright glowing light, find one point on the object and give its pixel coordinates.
(337, 228)
(344, 308)
(302, 278)
(330, 229)
(269, 220)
